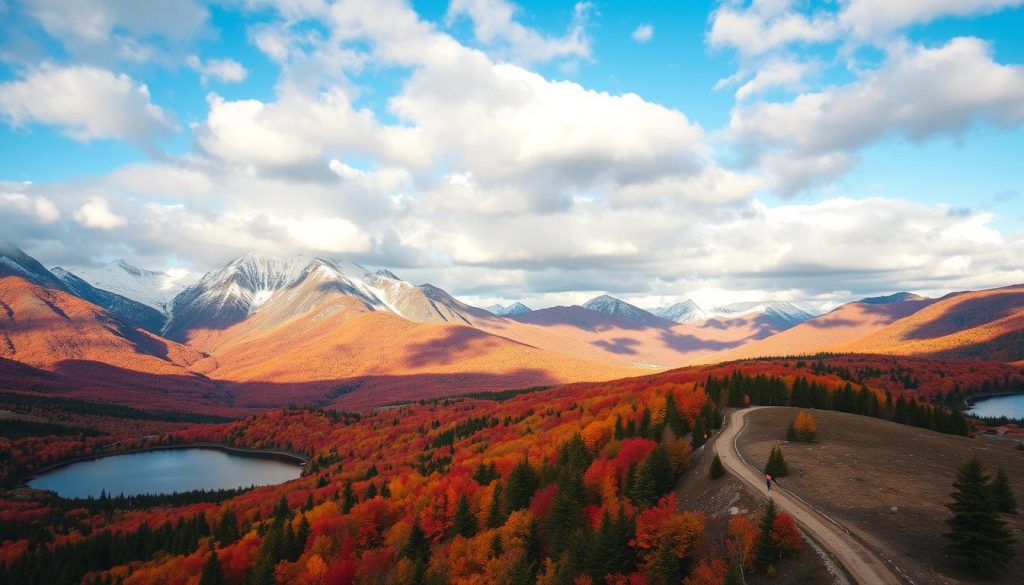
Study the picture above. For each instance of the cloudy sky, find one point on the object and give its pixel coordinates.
(545, 151)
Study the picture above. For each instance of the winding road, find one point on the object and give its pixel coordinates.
(861, 564)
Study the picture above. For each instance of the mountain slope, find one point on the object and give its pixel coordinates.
(827, 332)
(353, 359)
(125, 309)
(15, 262)
(230, 296)
(685, 312)
(56, 331)
(515, 308)
(985, 324)
(152, 288)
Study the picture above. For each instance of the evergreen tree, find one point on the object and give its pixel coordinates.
(767, 552)
(464, 522)
(716, 470)
(642, 489)
(661, 470)
(523, 481)
(212, 574)
(417, 548)
(673, 419)
(977, 536)
(371, 492)
(776, 466)
(1002, 495)
(665, 570)
(734, 576)
(566, 515)
(791, 433)
(348, 498)
(495, 517)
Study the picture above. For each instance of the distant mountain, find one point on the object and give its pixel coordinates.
(284, 288)
(684, 312)
(125, 309)
(15, 262)
(844, 324)
(515, 308)
(893, 298)
(610, 305)
(152, 288)
(784, 313)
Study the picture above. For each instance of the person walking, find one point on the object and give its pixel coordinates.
(768, 480)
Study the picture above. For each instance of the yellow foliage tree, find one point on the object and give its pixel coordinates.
(806, 428)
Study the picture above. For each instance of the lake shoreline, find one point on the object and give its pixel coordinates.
(241, 451)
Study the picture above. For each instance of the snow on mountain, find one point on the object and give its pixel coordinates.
(685, 312)
(619, 308)
(15, 262)
(123, 308)
(296, 284)
(515, 308)
(153, 288)
(783, 311)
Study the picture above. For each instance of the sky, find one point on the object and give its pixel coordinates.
(543, 151)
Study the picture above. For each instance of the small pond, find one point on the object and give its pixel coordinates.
(165, 471)
(1011, 406)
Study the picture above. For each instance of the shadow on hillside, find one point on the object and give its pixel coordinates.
(970, 312)
(100, 382)
(619, 345)
(593, 321)
(884, 312)
(465, 341)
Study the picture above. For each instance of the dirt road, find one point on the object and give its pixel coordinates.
(865, 567)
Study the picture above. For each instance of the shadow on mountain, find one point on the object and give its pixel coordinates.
(619, 345)
(98, 382)
(880, 312)
(970, 312)
(586, 319)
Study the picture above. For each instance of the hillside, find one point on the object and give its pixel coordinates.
(843, 324)
(985, 324)
(888, 483)
(354, 359)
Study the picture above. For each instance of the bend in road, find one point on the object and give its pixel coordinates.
(863, 565)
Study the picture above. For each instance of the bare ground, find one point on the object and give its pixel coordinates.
(862, 468)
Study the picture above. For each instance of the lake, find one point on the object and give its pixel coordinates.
(1009, 406)
(165, 471)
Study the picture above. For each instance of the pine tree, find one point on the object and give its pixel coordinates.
(642, 488)
(348, 498)
(716, 470)
(791, 433)
(766, 549)
(464, 522)
(1002, 495)
(417, 548)
(977, 536)
(495, 518)
(212, 574)
(776, 466)
(522, 483)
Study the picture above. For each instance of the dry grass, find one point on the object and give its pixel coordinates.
(861, 468)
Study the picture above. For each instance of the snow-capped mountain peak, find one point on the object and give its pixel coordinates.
(15, 262)
(515, 308)
(685, 312)
(153, 288)
(619, 308)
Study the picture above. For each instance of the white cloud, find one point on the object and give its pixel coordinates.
(88, 102)
(40, 208)
(876, 19)
(918, 92)
(328, 234)
(766, 25)
(776, 73)
(494, 25)
(643, 33)
(96, 213)
(125, 29)
(224, 70)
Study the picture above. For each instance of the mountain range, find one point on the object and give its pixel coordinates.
(264, 331)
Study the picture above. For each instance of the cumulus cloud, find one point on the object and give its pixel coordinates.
(125, 29)
(223, 70)
(39, 209)
(876, 19)
(643, 33)
(96, 213)
(495, 26)
(88, 103)
(766, 25)
(918, 92)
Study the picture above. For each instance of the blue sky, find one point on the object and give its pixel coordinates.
(543, 151)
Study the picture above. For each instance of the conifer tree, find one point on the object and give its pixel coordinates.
(348, 498)
(495, 518)
(776, 466)
(977, 536)
(212, 574)
(523, 481)
(767, 552)
(716, 470)
(791, 433)
(642, 488)
(464, 522)
(1002, 495)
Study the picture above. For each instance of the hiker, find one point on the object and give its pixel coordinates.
(768, 480)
